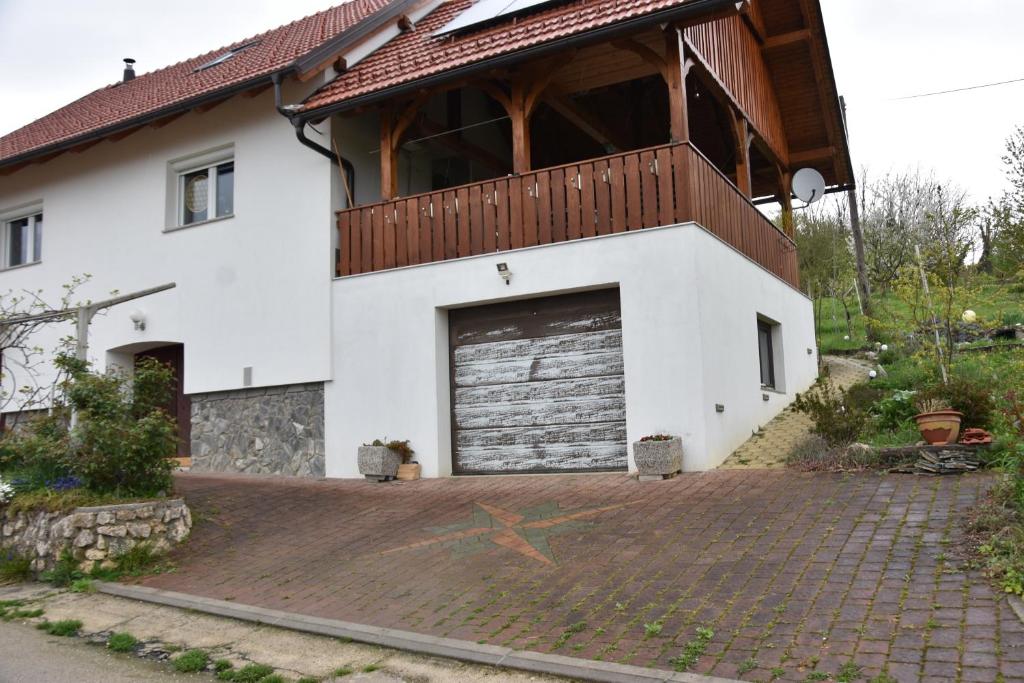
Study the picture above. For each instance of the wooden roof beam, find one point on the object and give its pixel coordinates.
(585, 121)
(786, 39)
(810, 155)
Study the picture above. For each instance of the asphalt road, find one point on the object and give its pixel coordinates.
(28, 655)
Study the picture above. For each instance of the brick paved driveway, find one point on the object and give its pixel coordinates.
(794, 573)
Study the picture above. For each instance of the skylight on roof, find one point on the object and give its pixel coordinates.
(220, 59)
(484, 11)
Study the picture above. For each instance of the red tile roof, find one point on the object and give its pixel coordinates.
(418, 53)
(158, 90)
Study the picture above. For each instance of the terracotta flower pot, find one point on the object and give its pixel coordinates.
(939, 428)
(409, 471)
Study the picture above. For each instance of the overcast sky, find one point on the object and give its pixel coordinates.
(53, 52)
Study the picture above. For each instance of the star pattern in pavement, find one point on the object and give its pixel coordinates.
(525, 532)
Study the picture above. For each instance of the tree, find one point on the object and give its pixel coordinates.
(23, 314)
(826, 256)
(1004, 218)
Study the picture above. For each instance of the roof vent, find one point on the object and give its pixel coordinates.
(129, 69)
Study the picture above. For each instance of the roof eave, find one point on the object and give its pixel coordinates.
(696, 8)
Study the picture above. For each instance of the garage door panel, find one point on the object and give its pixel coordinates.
(546, 347)
(580, 435)
(537, 385)
(541, 413)
(598, 364)
(546, 458)
(554, 390)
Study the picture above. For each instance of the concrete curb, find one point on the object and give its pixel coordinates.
(1017, 606)
(463, 650)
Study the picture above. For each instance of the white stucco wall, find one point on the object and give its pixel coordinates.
(689, 312)
(253, 290)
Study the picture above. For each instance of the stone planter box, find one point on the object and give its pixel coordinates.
(378, 463)
(94, 535)
(658, 460)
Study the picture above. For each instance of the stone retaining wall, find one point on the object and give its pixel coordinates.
(271, 430)
(94, 535)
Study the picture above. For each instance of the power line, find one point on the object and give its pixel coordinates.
(949, 92)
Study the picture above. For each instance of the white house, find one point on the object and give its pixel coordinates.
(520, 234)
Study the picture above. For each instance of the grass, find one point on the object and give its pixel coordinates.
(693, 650)
(250, 673)
(848, 673)
(65, 627)
(11, 610)
(342, 671)
(568, 633)
(746, 666)
(65, 501)
(15, 568)
(997, 304)
(191, 661)
(652, 630)
(122, 642)
(370, 668)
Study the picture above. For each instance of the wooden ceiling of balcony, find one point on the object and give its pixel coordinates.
(794, 49)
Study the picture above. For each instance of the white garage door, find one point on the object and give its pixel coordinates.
(537, 385)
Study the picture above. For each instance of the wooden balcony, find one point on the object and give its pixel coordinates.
(631, 191)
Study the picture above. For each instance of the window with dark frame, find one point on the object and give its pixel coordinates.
(22, 241)
(206, 193)
(766, 354)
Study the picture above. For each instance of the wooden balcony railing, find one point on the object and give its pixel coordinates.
(631, 191)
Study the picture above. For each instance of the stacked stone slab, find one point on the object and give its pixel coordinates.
(94, 535)
(270, 430)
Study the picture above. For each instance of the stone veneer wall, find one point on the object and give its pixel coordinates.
(94, 534)
(273, 430)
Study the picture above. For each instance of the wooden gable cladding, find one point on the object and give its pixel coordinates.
(732, 53)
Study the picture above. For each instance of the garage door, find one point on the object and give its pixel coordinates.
(537, 385)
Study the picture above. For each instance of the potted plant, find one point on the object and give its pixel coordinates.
(409, 470)
(938, 423)
(380, 460)
(658, 457)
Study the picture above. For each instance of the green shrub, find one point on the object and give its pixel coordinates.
(222, 665)
(64, 572)
(124, 437)
(890, 413)
(137, 560)
(250, 673)
(970, 396)
(14, 567)
(834, 420)
(863, 396)
(191, 661)
(122, 642)
(65, 627)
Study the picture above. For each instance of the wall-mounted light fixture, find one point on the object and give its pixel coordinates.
(505, 273)
(139, 318)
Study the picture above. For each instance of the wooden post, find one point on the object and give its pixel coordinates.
(388, 156)
(786, 200)
(743, 179)
(676, 68)
(520, 117)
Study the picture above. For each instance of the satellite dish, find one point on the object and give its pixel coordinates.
(808, 185)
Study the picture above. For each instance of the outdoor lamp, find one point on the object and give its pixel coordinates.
(139, 318)
(505, 273)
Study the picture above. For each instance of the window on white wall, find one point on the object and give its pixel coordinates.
(201, 188)
(23, 240)
(207, 193)
(766, 353)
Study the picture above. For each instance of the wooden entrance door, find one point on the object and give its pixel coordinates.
(179, 406)
(537, 385)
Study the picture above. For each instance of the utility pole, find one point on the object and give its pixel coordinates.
(863, 285)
